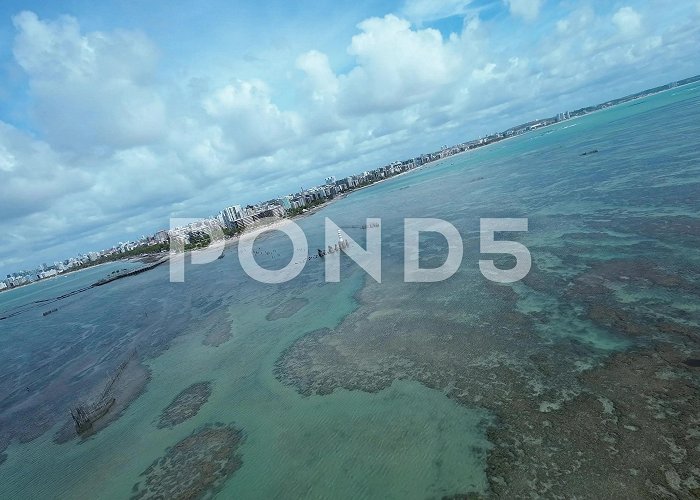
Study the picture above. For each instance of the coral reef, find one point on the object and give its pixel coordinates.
(195, 467)
(572, 420)
(185, 405)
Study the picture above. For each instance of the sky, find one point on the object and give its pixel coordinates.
(116, 116)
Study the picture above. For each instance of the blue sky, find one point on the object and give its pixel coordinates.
(115, 116)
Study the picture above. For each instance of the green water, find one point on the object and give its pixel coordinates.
(406, 440)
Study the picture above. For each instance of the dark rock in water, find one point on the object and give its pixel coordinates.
(196, 467)
(616, 319)
(569, 420)
(185, 405)
(128, 387)
(695, 363)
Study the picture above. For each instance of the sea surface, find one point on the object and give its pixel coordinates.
(580, 379)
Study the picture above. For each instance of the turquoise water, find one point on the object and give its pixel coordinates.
(418, 430)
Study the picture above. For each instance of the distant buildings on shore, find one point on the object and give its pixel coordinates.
(235, 218)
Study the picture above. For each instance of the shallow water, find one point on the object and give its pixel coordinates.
(395, 392)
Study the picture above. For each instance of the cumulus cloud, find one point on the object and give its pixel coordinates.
(627, 20)
(32, 176)
(319, 93)
(396, 65)
(113, 147)
(324, 83)
(252, 124)
(91, 90)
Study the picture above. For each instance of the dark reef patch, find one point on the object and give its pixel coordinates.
(638, 272)
(127, 388)
(595, 290)
(216, 327)
(185, 405)
(630, 432)
(571, 420)
(72, 364)
(287, 309)
(196, 467)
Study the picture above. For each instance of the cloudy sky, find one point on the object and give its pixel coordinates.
(115, 116)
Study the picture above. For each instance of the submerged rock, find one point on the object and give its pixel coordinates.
(128, 387)
(195, 467)
(572, 420)
(185, 405)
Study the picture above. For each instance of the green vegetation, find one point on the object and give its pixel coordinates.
(198, 239)
(293, 212)
(147, 249)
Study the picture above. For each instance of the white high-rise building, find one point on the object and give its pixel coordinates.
(231, 214)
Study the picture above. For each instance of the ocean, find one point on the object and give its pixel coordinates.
(581, 379)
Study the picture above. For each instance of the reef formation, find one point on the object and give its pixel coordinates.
(571, 417)
(195, 467)
(185, 405)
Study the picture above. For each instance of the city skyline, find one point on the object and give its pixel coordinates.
(112, 123)
(236, 214)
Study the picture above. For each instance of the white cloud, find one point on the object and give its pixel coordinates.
(396, 65)
(91, 90)
(627, 20)
(120, 147)
(251, 123)
(32, 176)
(319, 93)
(323, 81)
(527, 9)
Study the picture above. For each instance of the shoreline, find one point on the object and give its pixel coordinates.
(150, 258)
(272, 223)
(67, 273)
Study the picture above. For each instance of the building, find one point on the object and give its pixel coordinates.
(160, 237)
(230, 215)
(46, 274)
(286, 202)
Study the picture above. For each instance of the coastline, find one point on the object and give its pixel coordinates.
(67, 273)
(270, 225)
(554, 385)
